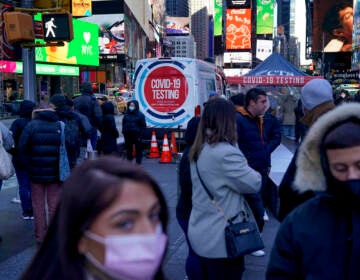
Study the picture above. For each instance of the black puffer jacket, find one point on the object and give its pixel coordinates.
(87, 105)
(133, 121)
(108, 129)
(26, 108)
(40, 142)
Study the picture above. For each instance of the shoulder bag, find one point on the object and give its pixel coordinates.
(6, 167)
(64, 167)
(241, 238)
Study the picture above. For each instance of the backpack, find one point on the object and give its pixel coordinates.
(72, 135)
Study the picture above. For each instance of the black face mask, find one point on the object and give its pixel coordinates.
(347, 191)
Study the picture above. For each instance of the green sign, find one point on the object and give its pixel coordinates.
(82, 50)
(51, 69)
(217, 17)
(265, 16)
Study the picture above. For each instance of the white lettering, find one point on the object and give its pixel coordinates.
(166, 94)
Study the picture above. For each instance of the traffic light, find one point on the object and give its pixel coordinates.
(57, 27)
(19, 27)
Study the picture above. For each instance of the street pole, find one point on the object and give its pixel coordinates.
(29, 71)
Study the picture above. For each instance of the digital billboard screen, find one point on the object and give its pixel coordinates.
(264, 16)
(332, 26)
(238, 29)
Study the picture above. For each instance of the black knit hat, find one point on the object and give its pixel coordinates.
(58, 100)
(86, 88)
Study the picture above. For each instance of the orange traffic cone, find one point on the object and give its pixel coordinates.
(173, 146)
(154, 150)
(165, 153)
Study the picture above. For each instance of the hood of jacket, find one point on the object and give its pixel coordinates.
(48, 114)
(136, 106)
(26, 108)
(108, 108)
(309, 174)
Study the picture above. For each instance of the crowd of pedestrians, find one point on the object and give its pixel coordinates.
(108, 219)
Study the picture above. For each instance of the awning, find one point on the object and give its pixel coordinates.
(271, 80)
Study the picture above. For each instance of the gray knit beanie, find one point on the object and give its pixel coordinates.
(316, 92)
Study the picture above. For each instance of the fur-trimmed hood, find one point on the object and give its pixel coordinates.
(309, 174)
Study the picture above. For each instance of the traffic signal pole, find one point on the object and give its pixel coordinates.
(29, 71)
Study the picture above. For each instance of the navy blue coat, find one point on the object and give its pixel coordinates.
(133, 121)
(258, 137)
(318, 240)
(40, 142)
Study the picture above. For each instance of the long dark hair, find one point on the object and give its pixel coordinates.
(90, 189)
(217, 124)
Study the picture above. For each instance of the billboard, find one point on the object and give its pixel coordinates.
(41, 69)
(238, 29)
(240, 4)
(82, 50)
(355, 60)
(218, 9)
(81, 8)
(264, 16)
(332, 26)
(111, 30)
(264, 49)
(177, 25)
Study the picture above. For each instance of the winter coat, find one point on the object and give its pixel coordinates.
(258, 137)
(133, 121)
(87, 105)
(18, 125)
(320, 239)
(289, 198)
(85, 128)
(224, 170)
(40, 143)
(183, 207)
(288, 106)
(109, 132)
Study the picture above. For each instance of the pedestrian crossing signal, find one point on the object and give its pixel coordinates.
(57, 27)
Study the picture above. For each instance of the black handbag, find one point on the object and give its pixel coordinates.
(241, 238)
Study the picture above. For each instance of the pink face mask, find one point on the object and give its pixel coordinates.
(134, 256)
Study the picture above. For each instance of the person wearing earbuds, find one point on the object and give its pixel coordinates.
(320, 239)
(110, 224)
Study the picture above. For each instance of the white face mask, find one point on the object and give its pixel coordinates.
(130, 257)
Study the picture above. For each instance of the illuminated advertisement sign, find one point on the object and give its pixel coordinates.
(177, 25)
(264, 16)
(218, 17)
(238, 29)
(238, 4)
(333, 21)
(41, 69)
(81, 8)
(263, 49)
(82, 50)
(355, 60)
(111, 29)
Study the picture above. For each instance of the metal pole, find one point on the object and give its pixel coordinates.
(29, 72)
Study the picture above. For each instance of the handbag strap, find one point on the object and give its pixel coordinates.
(214, 201)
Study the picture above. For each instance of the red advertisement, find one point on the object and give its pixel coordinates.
(238, 29)
(165, 89)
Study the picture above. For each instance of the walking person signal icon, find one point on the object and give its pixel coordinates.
(57, 27)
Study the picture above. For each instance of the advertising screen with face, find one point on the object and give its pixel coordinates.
(332, 26)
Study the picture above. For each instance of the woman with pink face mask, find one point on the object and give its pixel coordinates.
(109, 224)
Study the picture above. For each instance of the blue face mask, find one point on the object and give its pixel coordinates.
(131, 108)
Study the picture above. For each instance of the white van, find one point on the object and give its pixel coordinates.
(171, 90)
